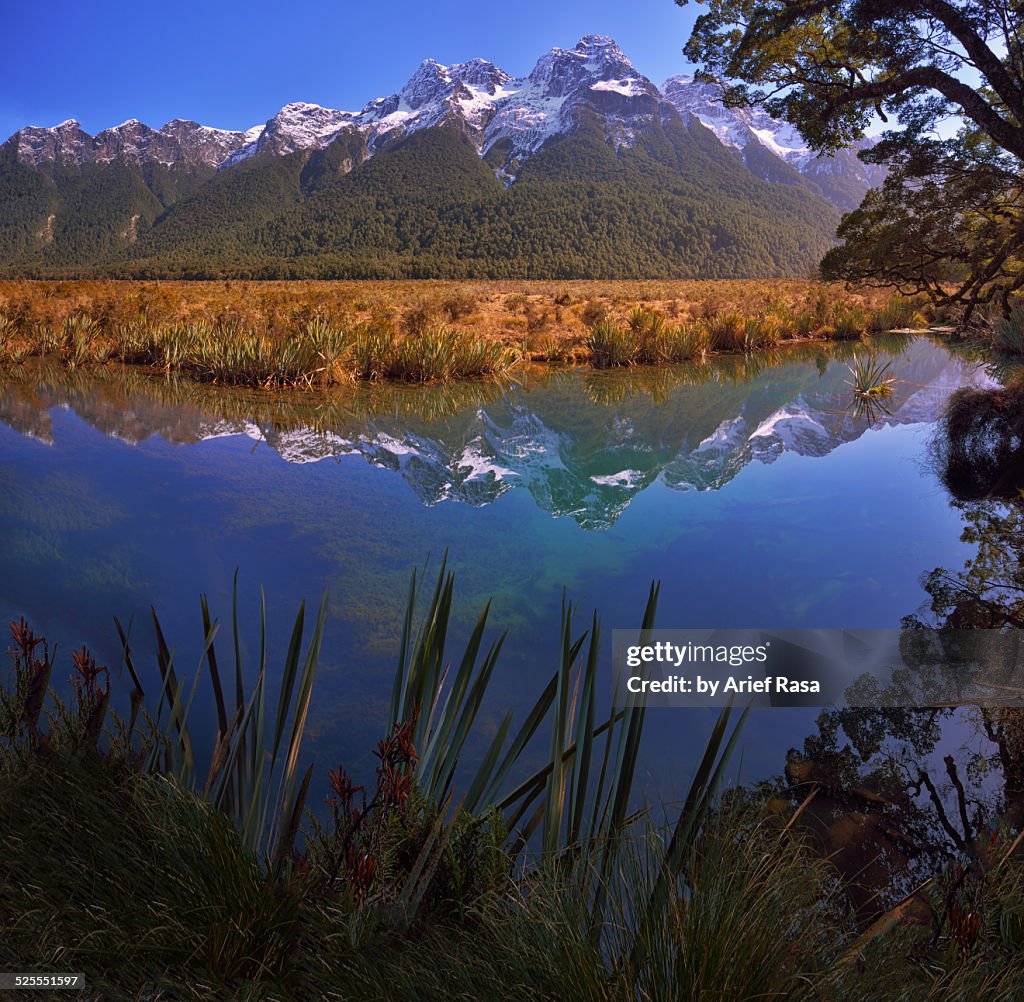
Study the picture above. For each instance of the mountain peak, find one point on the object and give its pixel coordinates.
(479, 72)
(588, 42)
(594, 58)
(601, 51)
(426, 84)
(299, 125)
(430, 69)
(301, 108)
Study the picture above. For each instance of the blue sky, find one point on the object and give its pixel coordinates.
(232, 65)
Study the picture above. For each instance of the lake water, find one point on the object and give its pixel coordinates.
(753, 489)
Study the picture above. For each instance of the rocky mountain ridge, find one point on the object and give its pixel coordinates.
(508, 120)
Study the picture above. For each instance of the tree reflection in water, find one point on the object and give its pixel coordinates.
(898, 796)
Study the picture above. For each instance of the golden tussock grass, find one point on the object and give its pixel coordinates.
(316, 333)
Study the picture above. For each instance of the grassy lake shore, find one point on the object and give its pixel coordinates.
(315, 334)
(432, 883)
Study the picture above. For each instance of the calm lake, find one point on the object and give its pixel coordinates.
(753, 489)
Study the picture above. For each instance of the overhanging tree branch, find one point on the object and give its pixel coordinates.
(975, 46)
(950, 219)
(1009, 136)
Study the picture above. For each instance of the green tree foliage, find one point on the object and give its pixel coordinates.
(949, 219)
(677, 204)
(29, 198)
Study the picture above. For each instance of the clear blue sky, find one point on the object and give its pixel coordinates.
(232, 65)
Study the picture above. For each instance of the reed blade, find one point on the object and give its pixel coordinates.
(432, 758)
(470, 710)
(486, 769)
(302, 703)
(580, 773)
(288, 676)
(218, 691)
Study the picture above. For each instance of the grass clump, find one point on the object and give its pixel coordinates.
(330, 346)
(611, 344)
(560, 348)
(846, 322)
(81, 341)
(440, 353)
(762, 331)
(13, 350)
(155, 887)
(684, 343)
(869, 379)
(459, 304)
(646, 340)
(757, 914)
(727, 331)
(1008, 331)
(896, 313)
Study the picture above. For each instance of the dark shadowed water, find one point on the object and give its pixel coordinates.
(752, 489)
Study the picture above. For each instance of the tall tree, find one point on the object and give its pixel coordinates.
(949, 220)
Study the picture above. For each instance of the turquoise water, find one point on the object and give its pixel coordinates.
(752, 489)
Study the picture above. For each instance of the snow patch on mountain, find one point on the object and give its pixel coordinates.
(735, 127)
(843, 178)
(629, 87)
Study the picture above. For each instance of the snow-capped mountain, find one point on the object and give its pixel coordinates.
(511, 116)
(487, 103)
(178, 141)
(752, 133)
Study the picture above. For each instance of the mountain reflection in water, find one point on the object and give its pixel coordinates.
(584, 444)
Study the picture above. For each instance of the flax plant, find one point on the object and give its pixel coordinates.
(896, 313)
(81, 341)
(847, 322)
(611, 344)
(727, 331)
(226, 846)
(253, 776)
(583, 796)
(869, 379)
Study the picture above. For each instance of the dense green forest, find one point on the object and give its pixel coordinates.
(677, 204)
